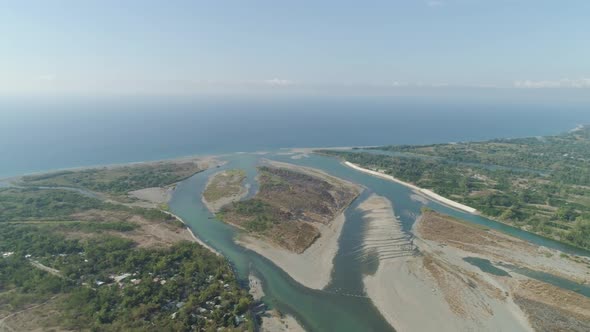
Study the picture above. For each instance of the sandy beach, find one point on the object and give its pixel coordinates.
(426, 192)
(312, 268)
(421, 292)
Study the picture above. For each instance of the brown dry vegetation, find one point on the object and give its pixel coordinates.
(550, 308)
(148, 234)
(288, 205)
(224, 184)
(469, 237)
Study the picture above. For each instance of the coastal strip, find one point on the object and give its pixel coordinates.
(426, 192)
(197, 239)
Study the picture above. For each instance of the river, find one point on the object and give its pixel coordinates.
(342, 306)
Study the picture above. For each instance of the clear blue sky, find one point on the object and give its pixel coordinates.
(186, 47)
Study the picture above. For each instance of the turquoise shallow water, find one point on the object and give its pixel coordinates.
(342, 305)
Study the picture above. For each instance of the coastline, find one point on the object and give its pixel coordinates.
(313, 267)
(426, 192)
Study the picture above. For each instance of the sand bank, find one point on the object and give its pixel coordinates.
(272, 321)
(275, 322)
(155, 195)
(188, 229)
(312, 268)
(216, 205)
(422, 292)
(428, 193)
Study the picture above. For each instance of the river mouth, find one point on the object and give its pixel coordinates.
(342, 305)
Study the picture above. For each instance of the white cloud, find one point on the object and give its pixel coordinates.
(545, 84)
(278, 82)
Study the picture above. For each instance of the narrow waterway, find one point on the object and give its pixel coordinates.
(342, 306)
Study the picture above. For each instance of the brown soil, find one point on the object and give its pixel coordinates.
(550, 308)
(453, 281)
(469, 237)
(149, 234)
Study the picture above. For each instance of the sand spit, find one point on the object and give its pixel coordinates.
(428, 193)
(155, 196)
(312, 268)
(422, 292)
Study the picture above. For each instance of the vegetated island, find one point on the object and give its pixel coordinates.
(540, 184)
(295, 219)
(80, 253)
(466, 277)
(223, 188)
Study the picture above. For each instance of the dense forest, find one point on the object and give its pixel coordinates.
(540, 184)
(68, 253)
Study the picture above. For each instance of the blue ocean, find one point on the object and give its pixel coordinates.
(54, 133)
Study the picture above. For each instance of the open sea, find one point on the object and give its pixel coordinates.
(53, 133)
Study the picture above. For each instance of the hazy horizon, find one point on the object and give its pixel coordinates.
(522, 51)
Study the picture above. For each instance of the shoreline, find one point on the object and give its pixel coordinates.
(426, 192)
(194, 236)
(312, 268)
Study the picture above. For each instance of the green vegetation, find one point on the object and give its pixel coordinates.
(104, 282)
(184, 279)
(22, 204)
(260, 216)
(225, 184)
(540, 184)
(117, 180)
(286, 206)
